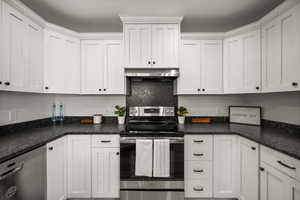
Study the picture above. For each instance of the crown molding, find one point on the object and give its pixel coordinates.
(150, 20)
(203, 36)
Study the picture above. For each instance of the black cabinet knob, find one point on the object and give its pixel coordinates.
(118, 153)
(203, 89)
(257, 88)
(50, 148)
(7, 83)
(0, 82)
(198, 89)
(262, 169)
(253, 148)
(153, 62)
(100, 90)
(46, 87)
(104, 89)
(149, 62)
(294, 84)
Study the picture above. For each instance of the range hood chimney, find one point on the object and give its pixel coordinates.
(152, 73)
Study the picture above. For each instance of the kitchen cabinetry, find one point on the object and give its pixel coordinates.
(79, 166)
(57, 170)
(101, 68)
(281, 46)
(151, 45)
(62, 63)
(106, 166)
(201, 70)
(249, 169)
(226, 170)
(198, 166)
(242, 63)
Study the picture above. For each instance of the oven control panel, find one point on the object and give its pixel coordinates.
(151, 111)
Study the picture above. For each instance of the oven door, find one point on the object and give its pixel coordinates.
(131, 183)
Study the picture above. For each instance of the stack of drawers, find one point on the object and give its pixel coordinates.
(198, 165)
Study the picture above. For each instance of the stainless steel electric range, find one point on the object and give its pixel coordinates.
(152, 122)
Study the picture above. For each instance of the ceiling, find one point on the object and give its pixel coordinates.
(199, 15)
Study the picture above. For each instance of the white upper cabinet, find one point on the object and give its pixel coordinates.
(165, 44)
(62, 63)
(242, 63)
(201, 68)
(14, 69)
(281, 47)
(190, 62)
(151, 42)
(1, 48)
(137, 45)
(212, 67)
(35, 54)
(101, 67)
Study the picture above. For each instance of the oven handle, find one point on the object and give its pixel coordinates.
(132, 140)
(10, 172)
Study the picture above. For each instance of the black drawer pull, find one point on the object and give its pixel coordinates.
(285, 165)
(198, 141)
(198, 154)
(253, 148)
(198, 170)
(105, 141)
(198, 189)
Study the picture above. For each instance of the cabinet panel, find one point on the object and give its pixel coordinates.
(72, 66)
(92, 65)
(274, 185)
(226, 171)
(35, 54)
(233, 66)
(189, 79)
(249, 169)
(165, 43)
(56, 170)
(137, 45)
(79, 166)
(106, 172)
(2, 48)
(212, 67)
(114, 80)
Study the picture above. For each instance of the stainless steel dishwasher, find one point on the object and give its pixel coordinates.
(24, 177)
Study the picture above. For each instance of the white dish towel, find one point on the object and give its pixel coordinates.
(161, 166)
(143, 158)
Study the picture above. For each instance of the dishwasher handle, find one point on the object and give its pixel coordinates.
(10, 172)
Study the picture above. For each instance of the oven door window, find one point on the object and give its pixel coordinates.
(127, 157)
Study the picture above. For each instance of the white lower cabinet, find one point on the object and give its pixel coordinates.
(105, 172)
(225, 166)
(79, 166)
(57, 170)
(249, 169)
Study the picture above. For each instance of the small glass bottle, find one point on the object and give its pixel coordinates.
(54, 113)
(61, 112)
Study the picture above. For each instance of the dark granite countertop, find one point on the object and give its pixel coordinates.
(21, 141)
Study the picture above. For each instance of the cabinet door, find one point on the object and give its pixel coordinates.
(54, 62)
(165, 44)
(105, 173)
(92, 65)
(71, 68)
(249, 169)
(233, 66)
(79, 166)
(35, 52)
(3, 49)
(271, 36)
(137, 45)
(252, 62)
(14, 45)
(226, 170)
(290, 33)
(56, 170)
(190, 64)
(274, 185)
(212, 67)
(114, 80)
(295, 190)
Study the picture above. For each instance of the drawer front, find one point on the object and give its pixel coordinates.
(198, 148)
(106, 141)
(196, 170)
(282, 162)
(198, 188)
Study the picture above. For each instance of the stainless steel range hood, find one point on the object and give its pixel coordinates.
(152, 73)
